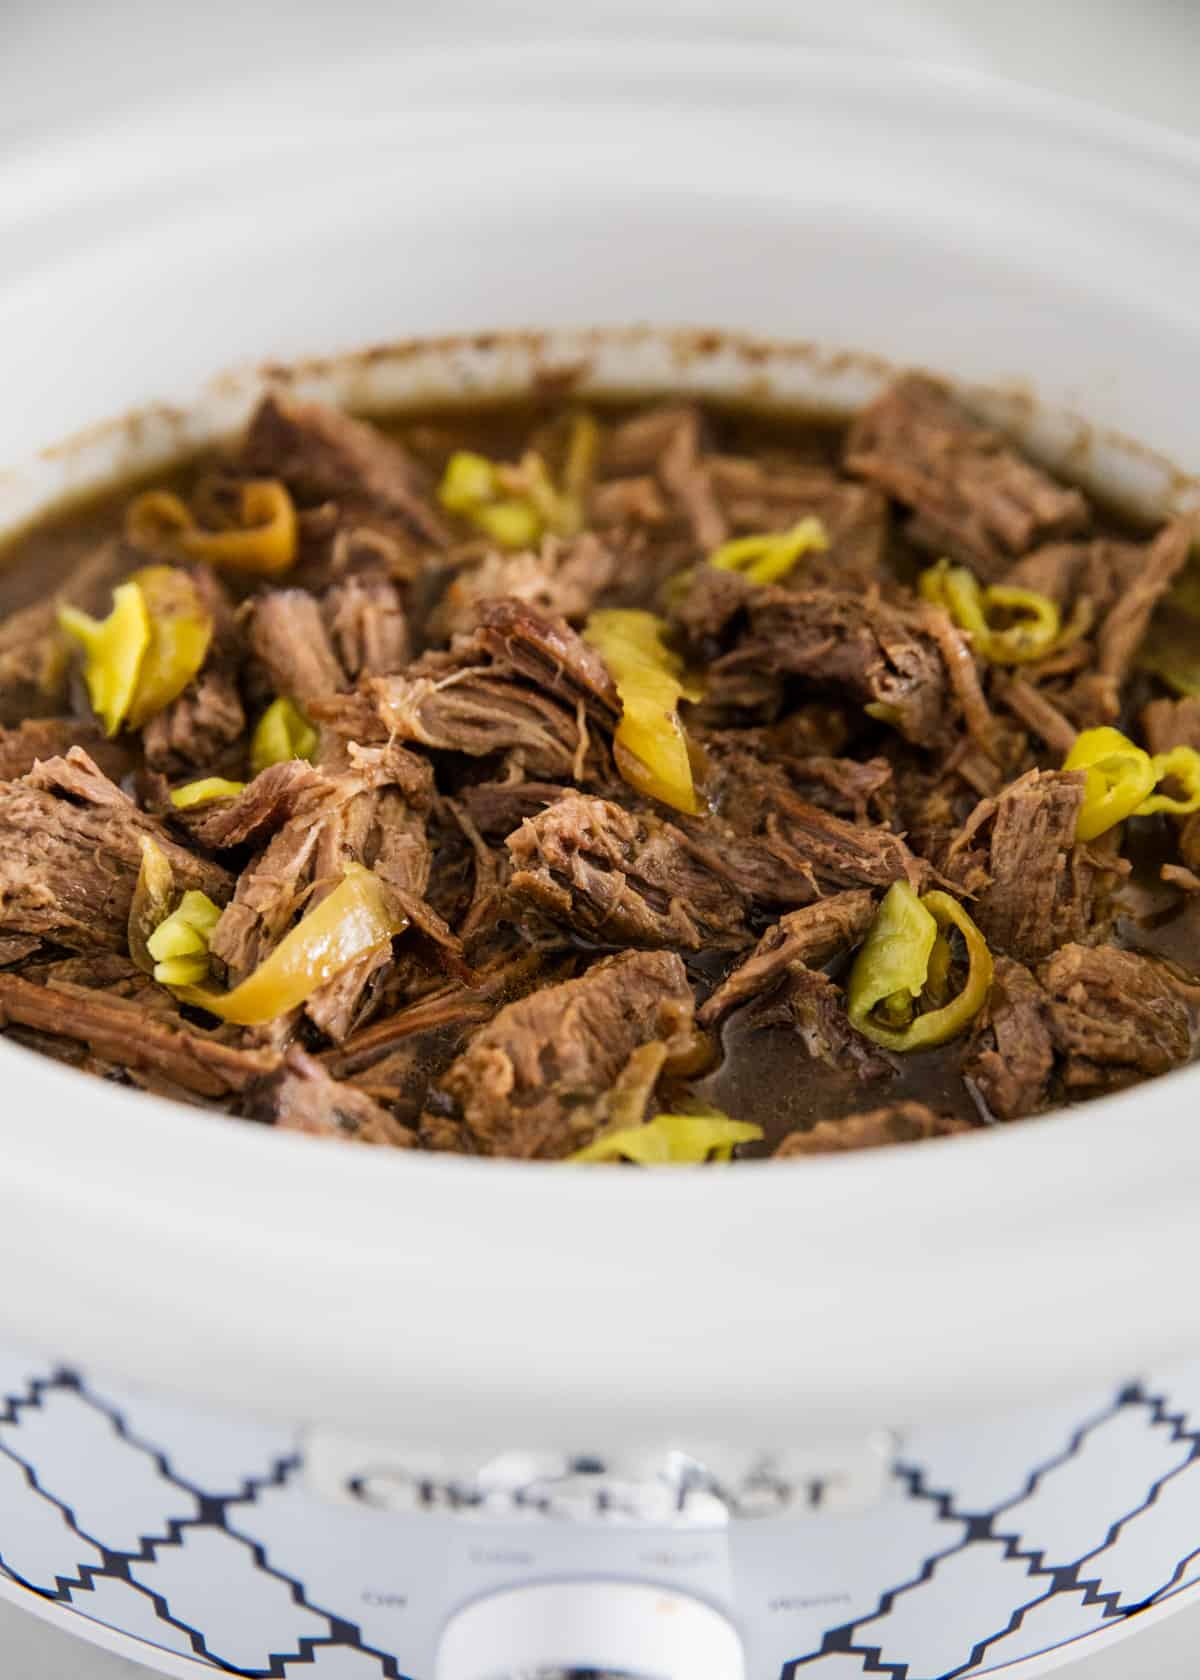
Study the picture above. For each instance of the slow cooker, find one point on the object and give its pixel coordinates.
(279, 1407)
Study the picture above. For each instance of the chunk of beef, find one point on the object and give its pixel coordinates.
(530, 1082)
(348, 538)
(372, 814)
(974, 497)
(738, 760)
(288, 636)
(713, 603)
(302, 1097)
(499, 808)
(263, 806)
(1036, 711)
(1035, 887)
(322, 452)
(621, 878)
(902, 1122)
(106, 971)
(1167, 724)
(367, 625)
(16, 947)
(125, 1032)
(70, 852)
(854, 644)
(760, 815)
(1010, 1055)
(564, 580)
(757, 496)
(1116, 585)
(521, 683)
(1172, 723)
(1114, 1016)
(808, 937)
(201, 729)
(25, 743)
(667, 442)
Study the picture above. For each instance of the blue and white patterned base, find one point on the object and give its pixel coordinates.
(198, 1536)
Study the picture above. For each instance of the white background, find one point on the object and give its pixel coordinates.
(69, 66)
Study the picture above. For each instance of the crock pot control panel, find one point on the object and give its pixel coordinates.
(557, 1630)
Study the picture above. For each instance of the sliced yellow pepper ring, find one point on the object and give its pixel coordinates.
(204, 791)
(113, 648)
(179, 944)
(1037, 632)
(264, 544)
(650, 746)
(355, 919)
(901, 962)
(181, 629)
(770, 556)
(1120, 777)
(1181, 764)
(672, 1140)
(283, 732)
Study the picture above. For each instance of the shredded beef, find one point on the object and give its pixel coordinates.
(902, 1122)
(530, 1082)
(853, 644)
(288, 635)
(322, 452)
(972, 495)
(575, 955)
(1010, 1056)
(368, 628)
(1035, 888)
(622, 879)
(126, 1033)
(1114, 1016)
(198, 730)
(808, 937)
(520, 683)
(757, 496)
(25, 743)
(70, 851)
(302, 1097)
(563, 580)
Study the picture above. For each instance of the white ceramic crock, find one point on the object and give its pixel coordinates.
(1013, 241)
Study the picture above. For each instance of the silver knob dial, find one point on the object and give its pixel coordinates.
(604, 1630)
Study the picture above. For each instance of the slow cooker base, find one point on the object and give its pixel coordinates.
(190, 1540)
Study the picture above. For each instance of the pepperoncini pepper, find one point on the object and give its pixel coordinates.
(1120, 777)
(516, 505)
(355, 919)
(265, 543)
(144, 654)
(650, 745)
(767, 557)
(1181, 764)
(181, 629)
(282, 732)
(1035, 632)
(179, 944)
(113, 650)
(204, 792)
(672, 1140)
(151, 903)
(905, 959)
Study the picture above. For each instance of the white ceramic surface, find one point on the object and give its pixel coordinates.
(1001, 236)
